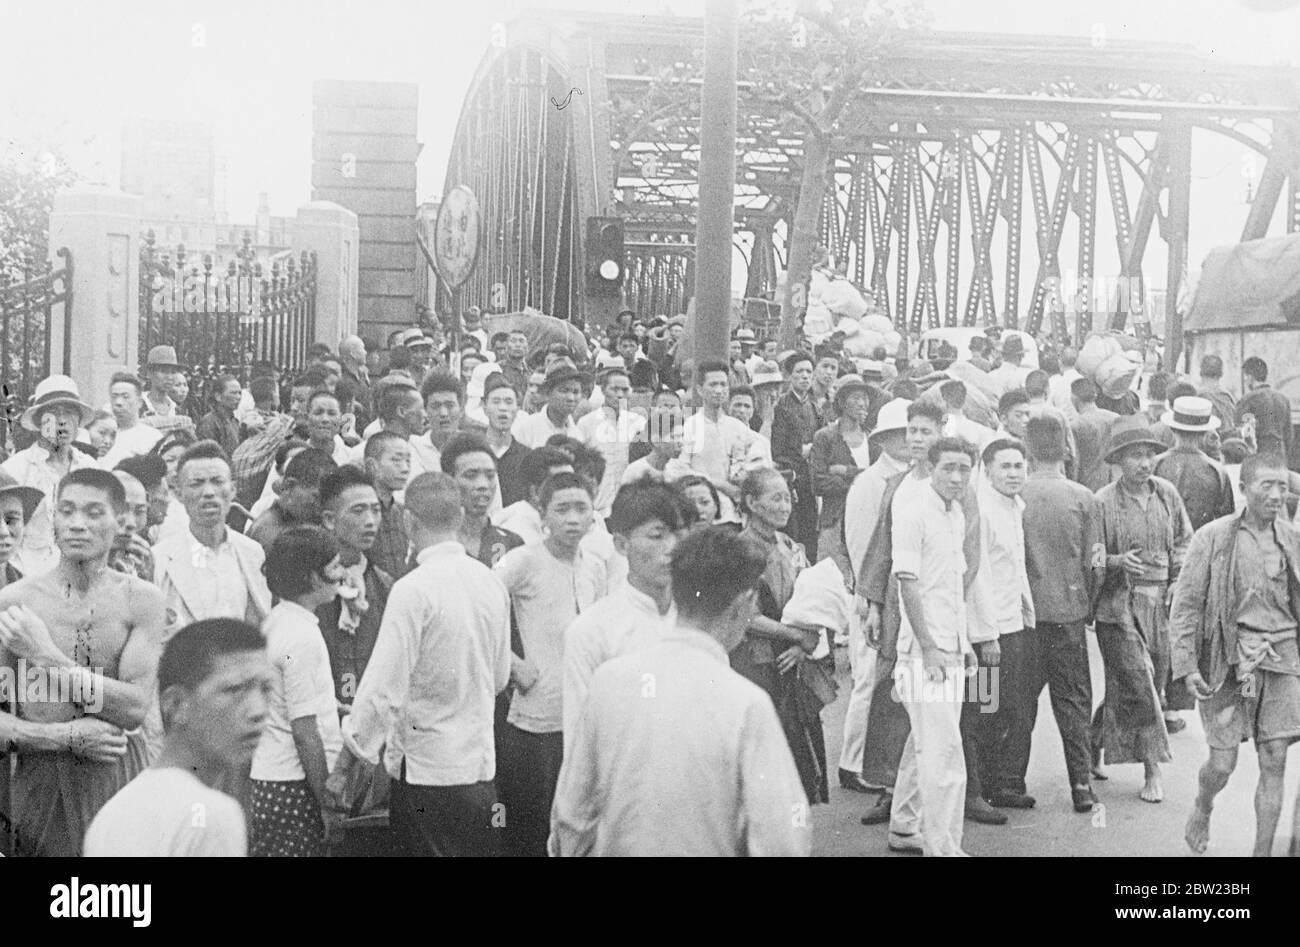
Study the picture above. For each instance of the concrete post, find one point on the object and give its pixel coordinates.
(331, 230)
(101, 226)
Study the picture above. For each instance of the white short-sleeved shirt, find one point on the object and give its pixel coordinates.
(302, 686)
(166, 812)
(534, 430)
(928, 537)
(133, 441)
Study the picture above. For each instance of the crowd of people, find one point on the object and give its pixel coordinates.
(474, 599)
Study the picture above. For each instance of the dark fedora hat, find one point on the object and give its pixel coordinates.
(1129, 436)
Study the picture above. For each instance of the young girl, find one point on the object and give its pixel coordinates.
(549, 582)
(102, 432)
(772, 652)
(302, 737)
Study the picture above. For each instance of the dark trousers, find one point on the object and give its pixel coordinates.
(1055, 656)
(444, 821)
(527, 771)
(983, 720)
(888, 728)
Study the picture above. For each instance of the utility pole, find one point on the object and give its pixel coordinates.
(713, 227)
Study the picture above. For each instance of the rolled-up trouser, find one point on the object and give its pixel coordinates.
(1055, 656)
(930, 794)
(1128, 725)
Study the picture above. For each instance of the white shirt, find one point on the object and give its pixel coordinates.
(225, 595)
(1007, 376)
(547, 594)
(442, 656)
(717, 449)
(1058, 392)
(31, 468)
(302, 686)
(928, 534)
(862, 507)
(133, 441)
(968, 430)
(1002, 555)
(534, 430)
(611, 435)
(624, 621)
(166, 812)
(176, 521)
(677, 754)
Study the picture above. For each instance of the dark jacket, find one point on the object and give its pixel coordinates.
(1202, 622)
(794, 423)
(829, 448)
(350, 652)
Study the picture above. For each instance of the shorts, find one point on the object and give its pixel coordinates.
(1273, 714)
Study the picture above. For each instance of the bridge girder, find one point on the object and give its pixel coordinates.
(973, 147)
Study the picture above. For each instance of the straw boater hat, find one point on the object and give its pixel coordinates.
(892, 417)
(746, 335)
(415, 336)
(1123, 438)
(31, 497)
(57, 389)
(1191, 414)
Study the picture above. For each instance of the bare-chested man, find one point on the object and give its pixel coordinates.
(92, 636)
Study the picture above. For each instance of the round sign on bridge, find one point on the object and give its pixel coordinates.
(456, 236)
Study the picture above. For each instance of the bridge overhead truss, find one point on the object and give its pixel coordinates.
(970, 180)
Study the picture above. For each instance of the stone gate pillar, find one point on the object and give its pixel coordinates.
(331, 231)
(101, 226)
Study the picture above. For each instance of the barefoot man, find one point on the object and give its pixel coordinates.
(1234, 644)
(92, 635)
(1146, 531)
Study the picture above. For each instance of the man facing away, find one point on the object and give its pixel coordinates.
(442, 656)
(1062, 539)
(212, 678)
(1271, 410)
(1211, 388)
(675, 753)
(1235, 612)
(1091, 428)
(98, 630)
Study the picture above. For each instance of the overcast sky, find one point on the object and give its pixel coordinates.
(72, 72)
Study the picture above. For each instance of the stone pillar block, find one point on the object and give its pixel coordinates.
(331, 231)
(101, 226)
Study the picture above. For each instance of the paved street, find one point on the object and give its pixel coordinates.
(1124, 826)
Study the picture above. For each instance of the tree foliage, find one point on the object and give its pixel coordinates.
(799, 66)
(28, 183)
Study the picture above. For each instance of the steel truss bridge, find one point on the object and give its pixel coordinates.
(959, 183)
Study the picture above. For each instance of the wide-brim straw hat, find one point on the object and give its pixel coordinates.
(55, 390)
(30, 496)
